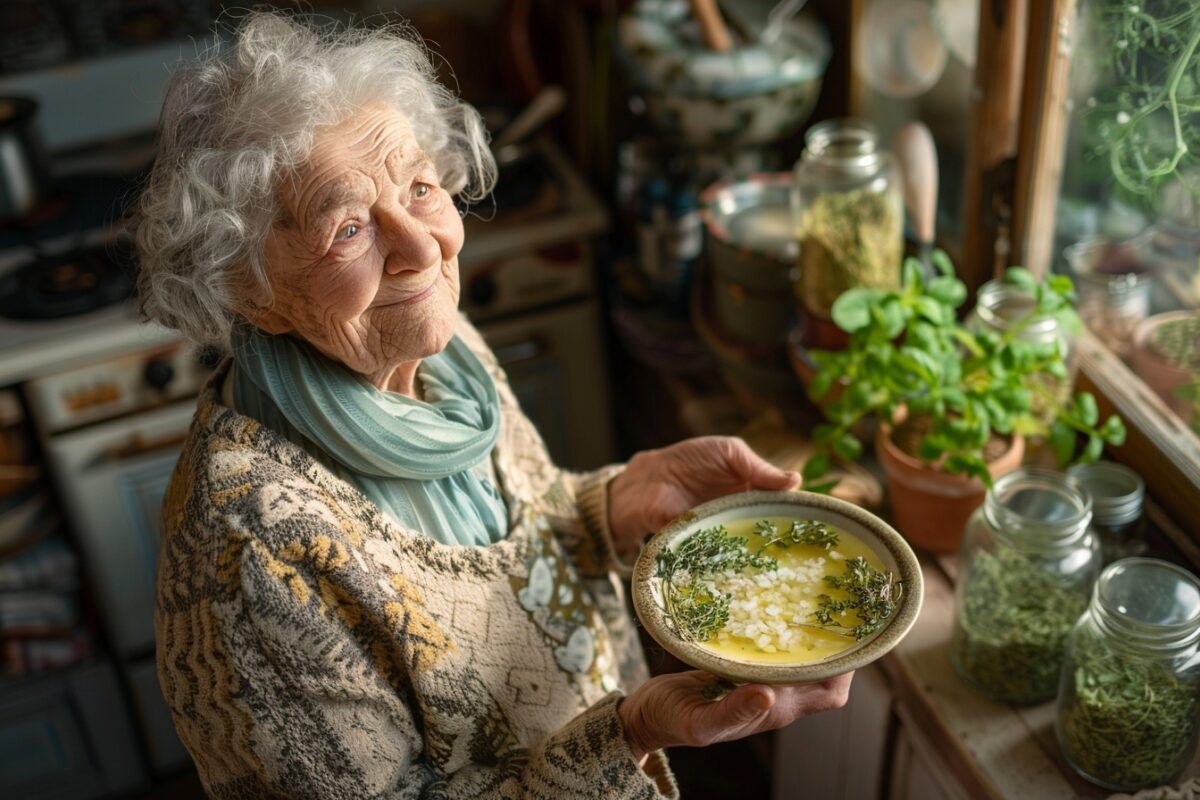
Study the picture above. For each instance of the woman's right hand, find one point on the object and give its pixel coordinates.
(671, 710)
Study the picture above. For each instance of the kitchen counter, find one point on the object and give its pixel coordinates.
(990, 750)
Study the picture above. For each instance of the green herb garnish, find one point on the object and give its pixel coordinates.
(805, 531)
(1010, 635)
(873, 596)
(695, 608)
(1125, 719)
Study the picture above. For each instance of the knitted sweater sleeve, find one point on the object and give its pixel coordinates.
(291, 685)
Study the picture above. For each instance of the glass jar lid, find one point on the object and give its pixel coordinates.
(1037, 509)
(846, 145)
(999, 305)
(1118, 493)
(1149, 601)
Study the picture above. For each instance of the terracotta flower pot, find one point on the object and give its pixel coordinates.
(929, 506)
(1159, 373)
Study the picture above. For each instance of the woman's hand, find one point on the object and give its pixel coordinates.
(659, 485)
(670, 710)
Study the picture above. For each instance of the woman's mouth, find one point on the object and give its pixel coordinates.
(419, 296)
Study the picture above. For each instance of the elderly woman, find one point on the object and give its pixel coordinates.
(374, 583)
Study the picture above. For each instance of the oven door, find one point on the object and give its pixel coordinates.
(111, 478)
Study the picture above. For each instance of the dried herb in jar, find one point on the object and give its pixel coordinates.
(849, 239)
(1128, 720)
(1011, 633)
(1178, 342)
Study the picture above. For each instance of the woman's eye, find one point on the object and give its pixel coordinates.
(348, 231)
(422, 190)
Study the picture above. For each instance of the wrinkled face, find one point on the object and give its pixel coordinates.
(364, 262)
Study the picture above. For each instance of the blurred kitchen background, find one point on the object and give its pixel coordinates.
(615, 271)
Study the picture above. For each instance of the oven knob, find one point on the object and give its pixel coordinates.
(158, 373)
(482, 290)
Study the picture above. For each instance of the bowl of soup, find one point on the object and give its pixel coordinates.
(777, 587)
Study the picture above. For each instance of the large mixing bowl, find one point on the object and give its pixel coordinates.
(753, 94)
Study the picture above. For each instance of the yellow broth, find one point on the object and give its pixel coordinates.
(815, 643)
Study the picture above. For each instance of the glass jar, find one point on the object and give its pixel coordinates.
(1027, 565)
(1129, 703)
(1118, 496)
(998, 307)
(1114, 282)
(849, 214)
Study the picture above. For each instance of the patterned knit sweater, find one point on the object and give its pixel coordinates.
(309, 647)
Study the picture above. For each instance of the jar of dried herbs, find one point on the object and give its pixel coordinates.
(849, 214)
(1129, 703)
(1027, 565)
(1000, 308)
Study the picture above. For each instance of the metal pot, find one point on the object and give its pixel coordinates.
(24, 165)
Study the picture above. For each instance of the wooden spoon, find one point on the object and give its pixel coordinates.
(712, 25)
(916, 156)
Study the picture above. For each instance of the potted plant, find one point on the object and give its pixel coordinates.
(954, 403)
(1166, 355)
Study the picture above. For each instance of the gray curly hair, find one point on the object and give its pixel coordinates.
(236, 122)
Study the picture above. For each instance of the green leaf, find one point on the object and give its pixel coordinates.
(859, 394)
(823, 434)
(1113, 431)
(820, 384)
(924, 364)
(1093, 450)
(948, 291)
(1019, 276)
(931, 448)
(1062, 439)
(1085, 409)
(890, 316)
(942, 263)
(852, 310)
(815, 467)
(931, 310)
(848, 447)
(1061, 285)
(912, 273)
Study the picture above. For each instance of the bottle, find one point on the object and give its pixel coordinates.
(998, 307)
(1118, 495)
(1128, 710)
(849, 214)
(1027, 565)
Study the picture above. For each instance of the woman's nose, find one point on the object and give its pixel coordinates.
(410, 243)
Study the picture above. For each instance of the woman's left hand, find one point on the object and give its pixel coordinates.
(659, 485)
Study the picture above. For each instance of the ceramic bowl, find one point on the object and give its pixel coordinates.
(881, 538)
(753, 94)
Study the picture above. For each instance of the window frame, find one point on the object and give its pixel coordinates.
(1160, 446)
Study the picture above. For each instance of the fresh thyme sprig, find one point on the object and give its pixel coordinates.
(804, 531)
(694, 607)
(873, 596)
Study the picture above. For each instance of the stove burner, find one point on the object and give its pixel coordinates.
(65, 285)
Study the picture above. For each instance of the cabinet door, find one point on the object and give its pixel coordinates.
(838, 755)
(67, 736)
(917, 772)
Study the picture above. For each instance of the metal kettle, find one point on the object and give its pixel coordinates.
(24, 164)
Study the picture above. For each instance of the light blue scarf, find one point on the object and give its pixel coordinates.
(426, 464)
